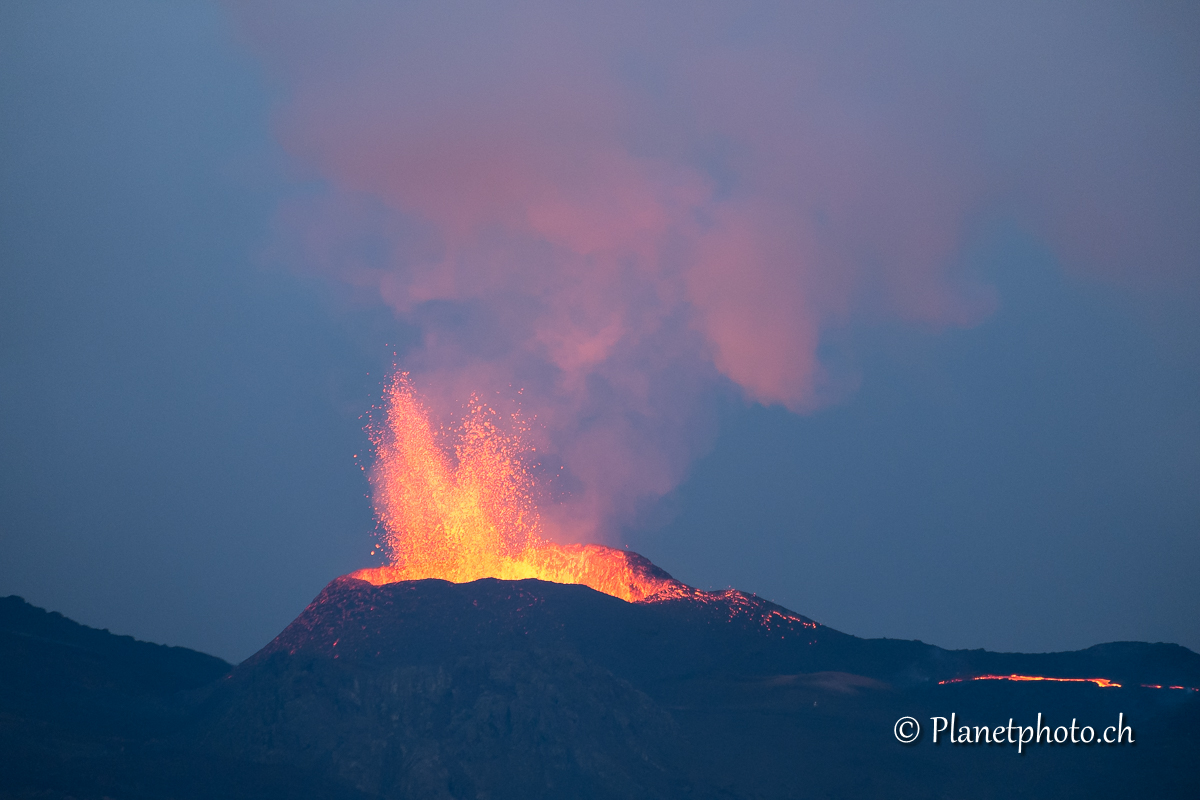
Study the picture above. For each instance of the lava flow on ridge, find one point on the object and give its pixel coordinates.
(474, 515)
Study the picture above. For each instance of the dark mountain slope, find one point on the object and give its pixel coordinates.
(528, 689)
(41, 650)
(729, 632)
(85, 713)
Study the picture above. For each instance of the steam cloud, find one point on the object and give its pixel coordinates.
(617, 206)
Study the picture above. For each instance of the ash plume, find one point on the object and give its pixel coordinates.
(618, 208)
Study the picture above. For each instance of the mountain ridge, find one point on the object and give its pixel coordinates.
(528, 689)
(436, 689)
(355, 599)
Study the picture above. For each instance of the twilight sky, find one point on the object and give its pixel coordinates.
(892, 317)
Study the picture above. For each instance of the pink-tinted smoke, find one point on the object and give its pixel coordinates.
(618, 206)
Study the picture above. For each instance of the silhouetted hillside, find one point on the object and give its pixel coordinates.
(85, 713)
(41, 649)
(527, 689)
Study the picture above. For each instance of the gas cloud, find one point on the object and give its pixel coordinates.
(622, 209)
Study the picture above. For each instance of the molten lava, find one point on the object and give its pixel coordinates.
(1103, 683)
(458, 504)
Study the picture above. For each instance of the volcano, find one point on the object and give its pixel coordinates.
(535, 689)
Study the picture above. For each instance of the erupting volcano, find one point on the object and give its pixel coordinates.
(459, 504)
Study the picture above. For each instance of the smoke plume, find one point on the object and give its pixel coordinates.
(618, 207)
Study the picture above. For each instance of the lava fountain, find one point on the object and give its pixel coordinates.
(459, 504)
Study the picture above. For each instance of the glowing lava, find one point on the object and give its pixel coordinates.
(1103, 683)
(474, 515)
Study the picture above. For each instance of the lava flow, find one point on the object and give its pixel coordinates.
(474, 515)
(1103, 683)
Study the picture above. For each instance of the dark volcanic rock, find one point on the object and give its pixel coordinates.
(530, 689)
(527, 689)
(85, 713)
(508, 723)
(423, 690)
(40, 649)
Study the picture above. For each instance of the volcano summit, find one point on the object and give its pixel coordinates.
(532, 689)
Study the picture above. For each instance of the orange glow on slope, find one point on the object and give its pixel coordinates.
(1103, 683)
(474, 515)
